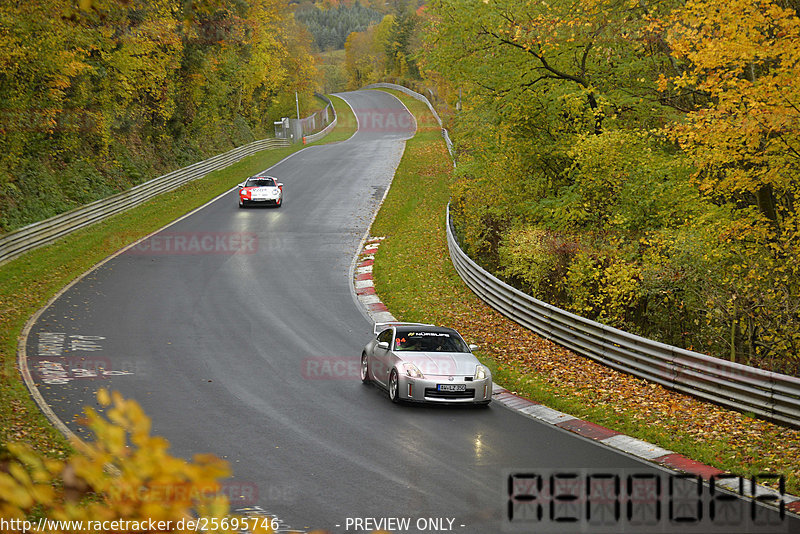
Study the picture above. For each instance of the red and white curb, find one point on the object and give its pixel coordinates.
(365, 286)
(365, 292)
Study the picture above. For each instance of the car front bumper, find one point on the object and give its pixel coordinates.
(261, 200)
(426, 390)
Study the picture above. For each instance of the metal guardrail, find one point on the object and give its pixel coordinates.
(43, 232)
(325, 131)
(770, 395)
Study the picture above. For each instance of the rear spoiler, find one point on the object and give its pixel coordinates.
(379, 327)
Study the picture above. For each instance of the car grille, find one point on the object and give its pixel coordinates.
(435, 394)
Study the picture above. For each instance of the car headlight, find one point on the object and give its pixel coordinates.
(412, 370)
(481, 373)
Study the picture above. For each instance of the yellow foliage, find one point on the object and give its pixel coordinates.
(124, 474)
(745, 55)
(526, 254)
(603, 287)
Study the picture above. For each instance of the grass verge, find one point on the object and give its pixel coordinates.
(416, 280)
(29, 281)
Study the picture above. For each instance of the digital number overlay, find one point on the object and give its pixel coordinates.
(647, 501)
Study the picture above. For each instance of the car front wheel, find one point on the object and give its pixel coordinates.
(365, 368)
(394, 387)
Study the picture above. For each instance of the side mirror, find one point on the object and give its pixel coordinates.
(473, 346)
(383, 345)
(241, 185)
(280, 184)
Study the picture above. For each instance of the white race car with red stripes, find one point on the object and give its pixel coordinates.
(261, 189)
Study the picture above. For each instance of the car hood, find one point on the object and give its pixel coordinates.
(442, 363)
(261, 188)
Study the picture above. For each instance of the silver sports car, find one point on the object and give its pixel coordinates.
(425, 363)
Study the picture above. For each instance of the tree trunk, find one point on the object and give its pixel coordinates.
(766, 203)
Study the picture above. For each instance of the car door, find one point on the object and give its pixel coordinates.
(381, 356)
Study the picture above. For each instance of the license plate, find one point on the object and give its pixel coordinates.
(451, 387)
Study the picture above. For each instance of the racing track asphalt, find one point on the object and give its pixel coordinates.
(235, 354)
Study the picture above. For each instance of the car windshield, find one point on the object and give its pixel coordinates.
(260, 182)
(429, 342)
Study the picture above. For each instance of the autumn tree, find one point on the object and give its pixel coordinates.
(386, 51)
(331, 26)
(744, 138)
(98, 95)
(365, 58)
(633, 162)
(742, 59)
(401, 43)
(125, 473)
(536, 79)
